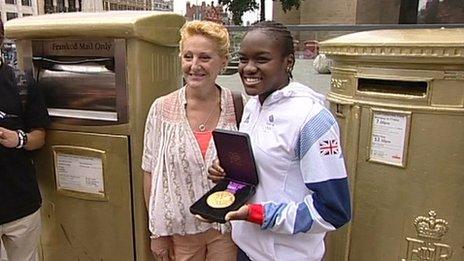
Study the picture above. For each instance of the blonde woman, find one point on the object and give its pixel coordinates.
(178, 149)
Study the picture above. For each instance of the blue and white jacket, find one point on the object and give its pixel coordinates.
(303, 185)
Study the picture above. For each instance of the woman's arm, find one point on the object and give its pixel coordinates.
(148, 155)
(146, 187)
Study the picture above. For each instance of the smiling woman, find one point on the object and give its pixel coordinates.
(178, 149)
(302, 191)
(263, 67)
(201, 62)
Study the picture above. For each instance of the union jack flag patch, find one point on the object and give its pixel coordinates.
(329, 147)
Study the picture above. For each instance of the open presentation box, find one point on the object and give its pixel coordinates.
(236, 158)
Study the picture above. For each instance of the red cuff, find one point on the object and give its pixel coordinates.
(256, 213)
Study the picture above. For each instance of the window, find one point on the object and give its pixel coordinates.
(27, 15)
(26, 2)
(72, 6)
(10, 16)
(60, 6)
(49, 6)
(408, 11)
(11, 2)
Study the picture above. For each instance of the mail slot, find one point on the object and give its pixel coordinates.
(399, 99)
(82, 84)
(99, 74)
(418, 88)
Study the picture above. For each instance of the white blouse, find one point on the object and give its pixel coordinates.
(179, 173)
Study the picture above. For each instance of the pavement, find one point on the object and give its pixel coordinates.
(303, 72)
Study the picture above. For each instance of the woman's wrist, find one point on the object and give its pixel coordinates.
(153, 236)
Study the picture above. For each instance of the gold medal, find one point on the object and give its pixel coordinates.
(220, 199)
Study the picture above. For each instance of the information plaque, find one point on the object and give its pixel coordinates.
(79, 172)
(389, 137)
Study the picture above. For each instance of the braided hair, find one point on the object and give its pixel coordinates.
(278, 32)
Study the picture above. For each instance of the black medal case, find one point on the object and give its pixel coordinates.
(236, 158)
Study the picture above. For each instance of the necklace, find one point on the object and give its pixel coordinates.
(202, 126)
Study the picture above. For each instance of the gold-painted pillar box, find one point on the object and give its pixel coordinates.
(398, 96)
(99, 73)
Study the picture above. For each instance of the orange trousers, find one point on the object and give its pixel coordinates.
(209, 245)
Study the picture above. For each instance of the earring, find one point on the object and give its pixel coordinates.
(289, 69)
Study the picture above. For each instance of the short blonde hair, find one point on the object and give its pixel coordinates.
(214, 31)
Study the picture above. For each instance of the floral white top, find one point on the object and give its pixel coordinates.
(173, 157)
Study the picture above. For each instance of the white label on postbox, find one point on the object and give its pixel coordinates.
(388, 137)
(79, 173)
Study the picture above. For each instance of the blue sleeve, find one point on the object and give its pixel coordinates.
(327, 204)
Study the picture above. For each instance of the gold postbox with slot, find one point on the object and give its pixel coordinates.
(398, 96)
(99, 74)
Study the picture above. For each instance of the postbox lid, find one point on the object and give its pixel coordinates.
(399, 42)
(153, 26)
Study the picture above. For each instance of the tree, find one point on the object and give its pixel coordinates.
(239, 7)
(288, 4)
(262, 15)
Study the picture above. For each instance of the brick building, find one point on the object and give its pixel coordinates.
(208, 12)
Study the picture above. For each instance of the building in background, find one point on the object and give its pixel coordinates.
(157, 5)
(367, 12)
(209, 12)
(444, 11)
(372, 12)
(60, 6)
(161, 5)
(11, 9)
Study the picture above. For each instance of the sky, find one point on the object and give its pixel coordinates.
(179, 7)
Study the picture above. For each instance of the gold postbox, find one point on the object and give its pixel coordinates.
(99, 73)
(398, 96)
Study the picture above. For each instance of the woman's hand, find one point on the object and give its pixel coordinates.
(216, 172)
(162, 248)
(240, 214)
(202, 219)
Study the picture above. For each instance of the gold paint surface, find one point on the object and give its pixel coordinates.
(402, 42)
(389, 201)
(70, 218)
(155, 27)
(428, 245)
(146, 66)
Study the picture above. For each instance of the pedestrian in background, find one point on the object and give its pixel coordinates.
(178, 149)
(303, 188)
(21, 131)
